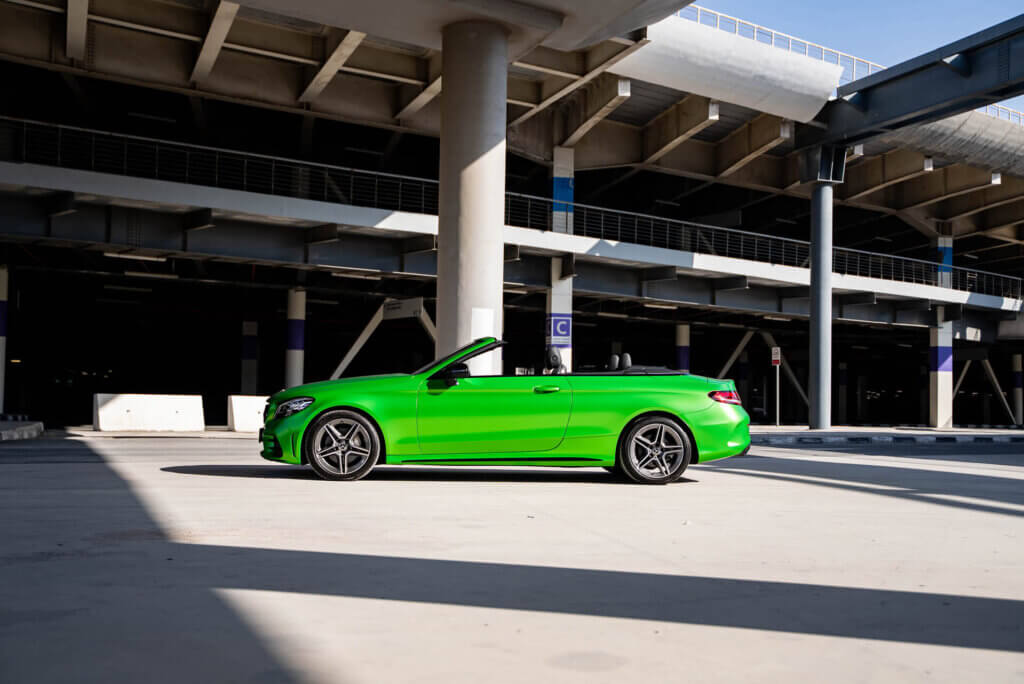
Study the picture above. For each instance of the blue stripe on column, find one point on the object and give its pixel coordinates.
(562, 191)
(945, 258)
(1018, 379)
(682, 358)
(296, 334)
(940, 359)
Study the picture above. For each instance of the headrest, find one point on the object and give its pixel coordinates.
(554, 358)
(613, 362)
(627, 362)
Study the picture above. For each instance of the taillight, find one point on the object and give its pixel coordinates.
(726, 397)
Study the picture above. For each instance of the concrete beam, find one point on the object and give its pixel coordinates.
(880, 172)
(199, 219)
(727, 284)
(428, 93)
(220, 24)
(943, 184)
(323, 235)
(856, 298)
(76, 28)
(659, 274)
(594, 103)
(1009, 189)
(598, 59)
(676, 125)
(341, 46)
(749, 142)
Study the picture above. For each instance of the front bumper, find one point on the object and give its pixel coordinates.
(280, 438)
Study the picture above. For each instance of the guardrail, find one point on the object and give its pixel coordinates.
(853, 67)
(78, 148)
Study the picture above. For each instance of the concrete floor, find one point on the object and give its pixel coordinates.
(181, 560)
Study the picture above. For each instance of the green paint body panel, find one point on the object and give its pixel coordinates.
(547, 420)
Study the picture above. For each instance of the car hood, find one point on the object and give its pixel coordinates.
(316, 387)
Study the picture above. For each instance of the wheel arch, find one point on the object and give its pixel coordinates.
(382, 458)
(694, 457)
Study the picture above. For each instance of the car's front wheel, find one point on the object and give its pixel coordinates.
(654, 450)
(341, 445)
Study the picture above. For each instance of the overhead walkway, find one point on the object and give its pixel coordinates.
(710, 265)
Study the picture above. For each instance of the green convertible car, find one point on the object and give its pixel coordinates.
(646, 423)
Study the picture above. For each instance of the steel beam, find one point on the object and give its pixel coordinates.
(751, 141)
(594, 103)
(926, 88)
(679, 123)
(220, 24)
(76, 28)
(344, 46)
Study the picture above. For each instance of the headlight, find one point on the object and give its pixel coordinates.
(293, 406)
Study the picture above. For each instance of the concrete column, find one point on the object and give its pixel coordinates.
(3, 334)
(559, 321)
(841, 394)
(295, 341)
(1018, 389)
(250, 357)
(472, 188)
(820, 378)
(743, 377)
(683, 347)
(944, 256)
(940, 376)
(562, 191)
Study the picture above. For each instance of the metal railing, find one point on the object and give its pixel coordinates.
(853, 67)
(78, 148)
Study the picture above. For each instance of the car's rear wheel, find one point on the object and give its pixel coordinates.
(341, 445)
(654, 450)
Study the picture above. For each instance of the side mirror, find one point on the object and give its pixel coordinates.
(455, 371)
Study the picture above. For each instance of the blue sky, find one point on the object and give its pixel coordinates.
(883, 31)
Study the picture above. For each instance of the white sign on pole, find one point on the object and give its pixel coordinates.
(776, 356)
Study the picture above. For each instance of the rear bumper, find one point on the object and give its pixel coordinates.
(720, 432)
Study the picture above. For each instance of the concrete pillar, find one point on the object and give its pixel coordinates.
(295, 341)
(250, 357)
(821, 307)
(683, 347)
(559, 320)
(562, 192)
(861, 397)
(743, 377)
(472, 188)
(841, 394)
(940, 376)
(944, 256)
(1018, 389)
(3, 334)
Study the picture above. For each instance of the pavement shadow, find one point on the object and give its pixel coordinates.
(917, 484)
(84, 565)
(418, 474)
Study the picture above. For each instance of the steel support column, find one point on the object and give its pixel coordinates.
(821, 307)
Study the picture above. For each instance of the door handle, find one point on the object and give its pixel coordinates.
(546, 389)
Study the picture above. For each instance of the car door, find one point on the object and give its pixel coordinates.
(492, 415)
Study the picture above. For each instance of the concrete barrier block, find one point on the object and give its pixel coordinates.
(148, 413)
(245, 412)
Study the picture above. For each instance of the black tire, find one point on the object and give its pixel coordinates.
(652, 464)
(349, 458)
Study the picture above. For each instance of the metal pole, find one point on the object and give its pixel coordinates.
(821, 307)
(777, 396)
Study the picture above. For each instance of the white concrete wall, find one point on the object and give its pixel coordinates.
(148, 413)
(245, 412)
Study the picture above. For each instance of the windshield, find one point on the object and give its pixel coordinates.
(447, 357)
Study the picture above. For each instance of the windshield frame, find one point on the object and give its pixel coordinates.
(439, 363)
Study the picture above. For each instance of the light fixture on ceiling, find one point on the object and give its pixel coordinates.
(609, 314)
(133, 257)
(655, 305)
(781, 319)
(144, 274)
